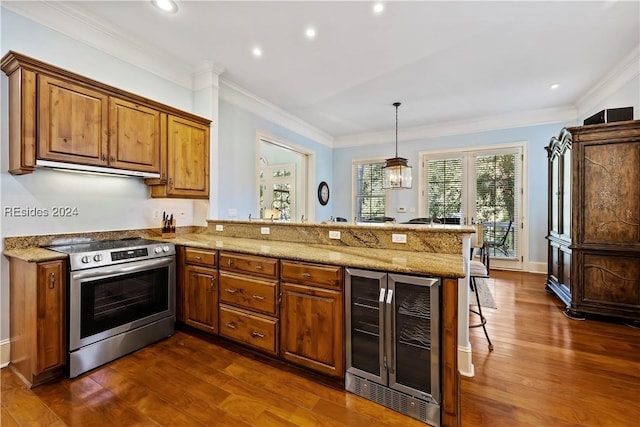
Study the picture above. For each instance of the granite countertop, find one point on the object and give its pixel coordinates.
(398, 261)
(34, 254)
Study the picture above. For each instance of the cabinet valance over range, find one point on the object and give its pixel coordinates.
(60, 119)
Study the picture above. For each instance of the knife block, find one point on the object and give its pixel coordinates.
(169, 233)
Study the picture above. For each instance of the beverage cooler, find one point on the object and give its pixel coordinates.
(393, 341)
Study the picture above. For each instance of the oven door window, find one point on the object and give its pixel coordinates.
(118, 300)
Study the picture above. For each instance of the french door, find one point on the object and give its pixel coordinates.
(478, 187)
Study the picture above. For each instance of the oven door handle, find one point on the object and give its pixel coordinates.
(119, 270)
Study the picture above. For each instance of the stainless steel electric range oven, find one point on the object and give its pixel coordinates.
(120, 298)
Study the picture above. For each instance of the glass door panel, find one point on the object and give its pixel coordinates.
(365, 324)
(414, 336)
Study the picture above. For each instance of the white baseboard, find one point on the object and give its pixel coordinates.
(5, 346)
(465, 364)
(536, 267)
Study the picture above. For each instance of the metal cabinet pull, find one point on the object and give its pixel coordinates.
(198, 257)
(258, 267)
(229, 261)
(230, 325)
(258, 297)
(212, 283)
(307, 275)
(392, 362)
(231, 290)
(255, 334)
(52, 281)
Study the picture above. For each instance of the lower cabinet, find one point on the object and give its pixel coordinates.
(37, 319)
(312, 328)
(200, 290)
(312, 316)
(288, 309)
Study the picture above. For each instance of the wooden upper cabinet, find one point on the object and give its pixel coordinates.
(187, 160)
(72, 123)
(58, 116)
(134, 142)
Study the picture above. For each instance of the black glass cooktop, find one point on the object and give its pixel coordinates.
(100, 245)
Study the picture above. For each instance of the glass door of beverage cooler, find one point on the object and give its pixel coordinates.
(365, 324)
(412, 325)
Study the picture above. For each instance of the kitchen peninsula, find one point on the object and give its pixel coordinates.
(289, 270)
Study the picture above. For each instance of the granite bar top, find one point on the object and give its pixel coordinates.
(398, 261)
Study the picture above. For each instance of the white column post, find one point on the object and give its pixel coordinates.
(465, 362)
(206, 90)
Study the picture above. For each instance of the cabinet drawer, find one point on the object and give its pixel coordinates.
(248, 328)
(326, 276)
(200, 257)
(250, 293)
(256, 265)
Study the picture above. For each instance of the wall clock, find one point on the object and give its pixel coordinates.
(323, 193)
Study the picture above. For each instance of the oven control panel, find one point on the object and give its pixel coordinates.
(128, 254)
(109, 257)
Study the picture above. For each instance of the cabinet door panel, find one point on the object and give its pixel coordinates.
(50, 312)
(201, 298)
(611, 279)
(611, 193)
(188, 158)
(312, 328)
(72, 123)
(134, 137)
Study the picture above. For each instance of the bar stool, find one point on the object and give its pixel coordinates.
(479, 269)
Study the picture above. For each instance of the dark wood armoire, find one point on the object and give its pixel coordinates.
(594, 219)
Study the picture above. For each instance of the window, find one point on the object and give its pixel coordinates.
(370, 197)
(444, 183)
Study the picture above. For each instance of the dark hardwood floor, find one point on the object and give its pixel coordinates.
(546, 370)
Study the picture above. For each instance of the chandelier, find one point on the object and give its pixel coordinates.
(397, 172)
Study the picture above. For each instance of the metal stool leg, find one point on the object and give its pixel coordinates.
(483, 320)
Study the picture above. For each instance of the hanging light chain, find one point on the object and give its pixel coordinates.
(396, 104)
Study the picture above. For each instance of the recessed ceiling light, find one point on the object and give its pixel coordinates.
(257, 52)
(310, 32)
(165, 5)
(378, 8)
(554, 86)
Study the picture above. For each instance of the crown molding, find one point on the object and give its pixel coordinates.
(461, 127)
(623, 73)
(67, 20)
(240, 97)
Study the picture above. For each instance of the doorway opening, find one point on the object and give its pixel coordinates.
(283, 180)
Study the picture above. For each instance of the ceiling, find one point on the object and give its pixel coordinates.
(446, 61)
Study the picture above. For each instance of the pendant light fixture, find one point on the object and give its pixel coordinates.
(397, 173)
